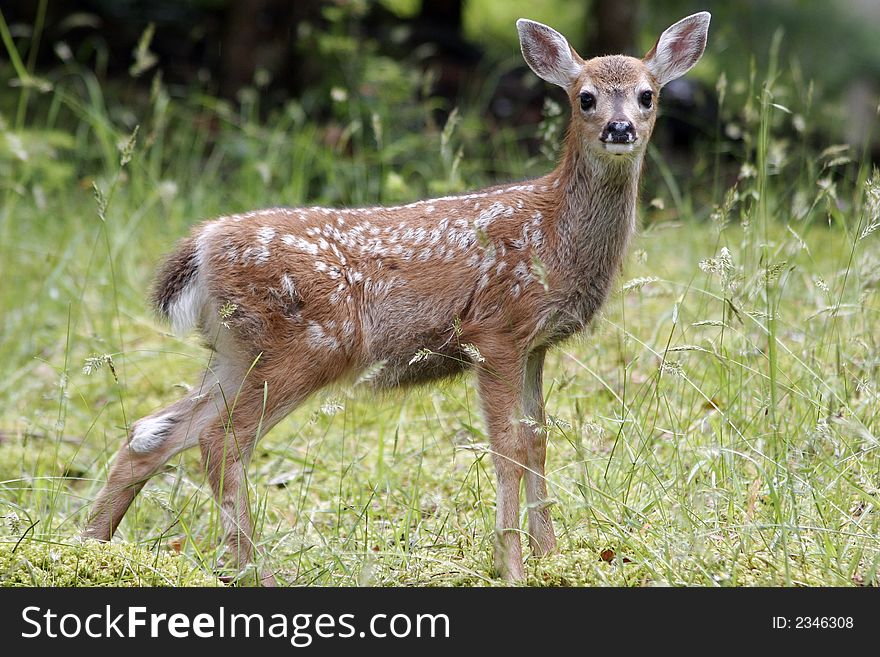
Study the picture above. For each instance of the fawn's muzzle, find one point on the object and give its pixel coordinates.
(619, 132)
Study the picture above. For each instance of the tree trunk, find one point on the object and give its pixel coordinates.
(261, 34)
(611, 29)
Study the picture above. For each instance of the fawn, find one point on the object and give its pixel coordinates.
(291, 300)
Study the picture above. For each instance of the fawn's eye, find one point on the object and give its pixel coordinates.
(646, 98)
(588, 101)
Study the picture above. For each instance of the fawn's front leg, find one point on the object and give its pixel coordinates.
(541, 537)
(500, 384)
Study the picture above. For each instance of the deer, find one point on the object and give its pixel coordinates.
(293, 300)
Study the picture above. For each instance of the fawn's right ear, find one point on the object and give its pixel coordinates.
(548, 54)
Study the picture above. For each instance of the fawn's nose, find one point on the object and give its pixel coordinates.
(619, 132)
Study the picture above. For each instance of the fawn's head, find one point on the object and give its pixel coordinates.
(613, 99)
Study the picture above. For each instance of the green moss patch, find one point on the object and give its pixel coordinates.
(91, 563)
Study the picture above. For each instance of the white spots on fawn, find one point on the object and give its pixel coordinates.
(265, 235)
(269, 212)
(466, 240)
(347, 331)
(350, 244)
(230, 250)
(490, 214)
(486, 263)
(374, 248)
(521, 271)
(381, 287)
(531, 234)
(523, 277)
(300, 244)
(288, 286)
(259, 254)
(337, 294)
(318, 338)
(149, 433)
(338, 254)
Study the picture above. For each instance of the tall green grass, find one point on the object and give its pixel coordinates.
(717, 426)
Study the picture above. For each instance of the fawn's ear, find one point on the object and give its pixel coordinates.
(678, 48)
(548, 54)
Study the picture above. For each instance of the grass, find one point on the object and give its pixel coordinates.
(716, 427)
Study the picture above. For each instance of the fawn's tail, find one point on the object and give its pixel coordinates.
(180, 293)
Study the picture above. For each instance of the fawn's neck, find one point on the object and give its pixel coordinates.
(595, 219)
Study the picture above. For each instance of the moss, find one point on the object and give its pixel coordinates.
(91, 563)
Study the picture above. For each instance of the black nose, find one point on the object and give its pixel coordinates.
(619, 132)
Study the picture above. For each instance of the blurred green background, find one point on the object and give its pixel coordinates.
(330, 59)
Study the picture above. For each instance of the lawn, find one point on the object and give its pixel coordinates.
(717, 426)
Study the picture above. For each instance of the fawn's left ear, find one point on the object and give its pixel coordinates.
(548, 54)
(678, 48)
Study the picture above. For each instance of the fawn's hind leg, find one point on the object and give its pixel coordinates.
(155, 439)
(266, 396)
(152, 442)
(226, 447)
